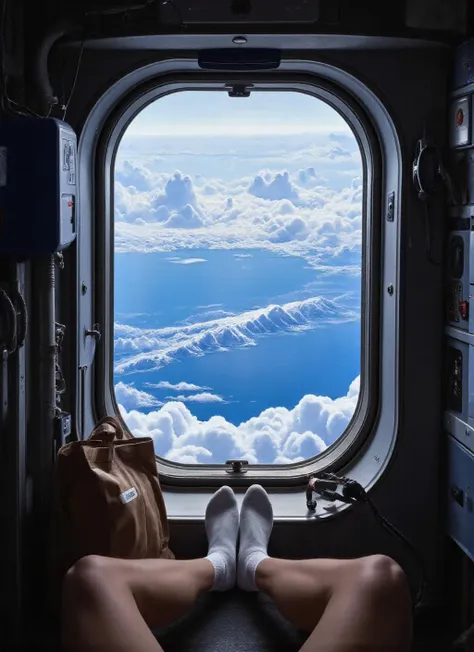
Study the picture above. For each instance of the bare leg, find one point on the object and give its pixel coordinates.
(354, 605)
(349, 605)
(110, 604)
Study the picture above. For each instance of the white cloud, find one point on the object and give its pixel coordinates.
(178, 193)
(202, 397)
(135, 176)
(280, 187)
(277, 435)
(132, 398)
(178, 387)
(188, 261)
(186, 218)
(292, 215)
(145, 349)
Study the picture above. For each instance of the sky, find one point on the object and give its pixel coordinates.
(216, 114)
(279, 172)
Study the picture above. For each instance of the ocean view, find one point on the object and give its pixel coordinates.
(238, 244)
(176, 299)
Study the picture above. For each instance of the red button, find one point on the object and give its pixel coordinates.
(464, 309)
(459, 117)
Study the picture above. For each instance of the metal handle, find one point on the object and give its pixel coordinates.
(94, 332)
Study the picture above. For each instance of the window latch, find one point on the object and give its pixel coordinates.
(239, 90)
(236, 466)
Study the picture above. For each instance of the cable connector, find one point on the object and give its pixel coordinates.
(354, 490)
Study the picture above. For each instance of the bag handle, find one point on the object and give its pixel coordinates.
(107, 429)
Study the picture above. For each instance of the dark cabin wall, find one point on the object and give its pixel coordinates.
(415, 77)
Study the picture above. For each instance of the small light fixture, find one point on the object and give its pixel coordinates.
(239, 40)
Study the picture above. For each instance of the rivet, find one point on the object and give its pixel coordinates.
(239, 40)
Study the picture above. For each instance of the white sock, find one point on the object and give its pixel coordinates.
(222, 529)
(256, 523)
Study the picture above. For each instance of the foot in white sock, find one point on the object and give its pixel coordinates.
(256, 523)
(222, 529)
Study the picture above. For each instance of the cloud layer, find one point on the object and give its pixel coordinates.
(177, 387)
(297, 196)
(276, 436)
(312, 210)
(144, 349)
(130, 397)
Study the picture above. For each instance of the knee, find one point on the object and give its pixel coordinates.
(84, 579)
(382, 576)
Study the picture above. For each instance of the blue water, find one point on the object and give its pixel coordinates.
(151, 291)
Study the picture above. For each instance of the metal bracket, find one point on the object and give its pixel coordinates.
(391, 207)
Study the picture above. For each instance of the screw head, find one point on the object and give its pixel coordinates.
(390, 290)
(84, 288)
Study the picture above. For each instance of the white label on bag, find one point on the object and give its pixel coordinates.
(128, 496)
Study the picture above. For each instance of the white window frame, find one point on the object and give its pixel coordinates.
(365, 448)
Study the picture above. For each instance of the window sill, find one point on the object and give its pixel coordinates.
(287, 505)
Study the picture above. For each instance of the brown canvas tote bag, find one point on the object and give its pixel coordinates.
(108, 500)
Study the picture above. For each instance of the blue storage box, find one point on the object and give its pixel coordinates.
(38, 186)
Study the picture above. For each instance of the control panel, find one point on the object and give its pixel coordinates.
(458, 261)
(459, 358)
(457, 381)
(38, 186)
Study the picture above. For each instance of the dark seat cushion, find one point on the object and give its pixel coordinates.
(234, 621)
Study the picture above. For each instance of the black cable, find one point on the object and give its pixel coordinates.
(10, 338)
(119, 10)
(353, 490)
(352, 493)
(392, 529)
(76, 75)
(176, 9)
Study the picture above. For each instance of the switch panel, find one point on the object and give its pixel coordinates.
(460, 495)
(458, 270)
(460, 122)
(459, 379)
(456, 360)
